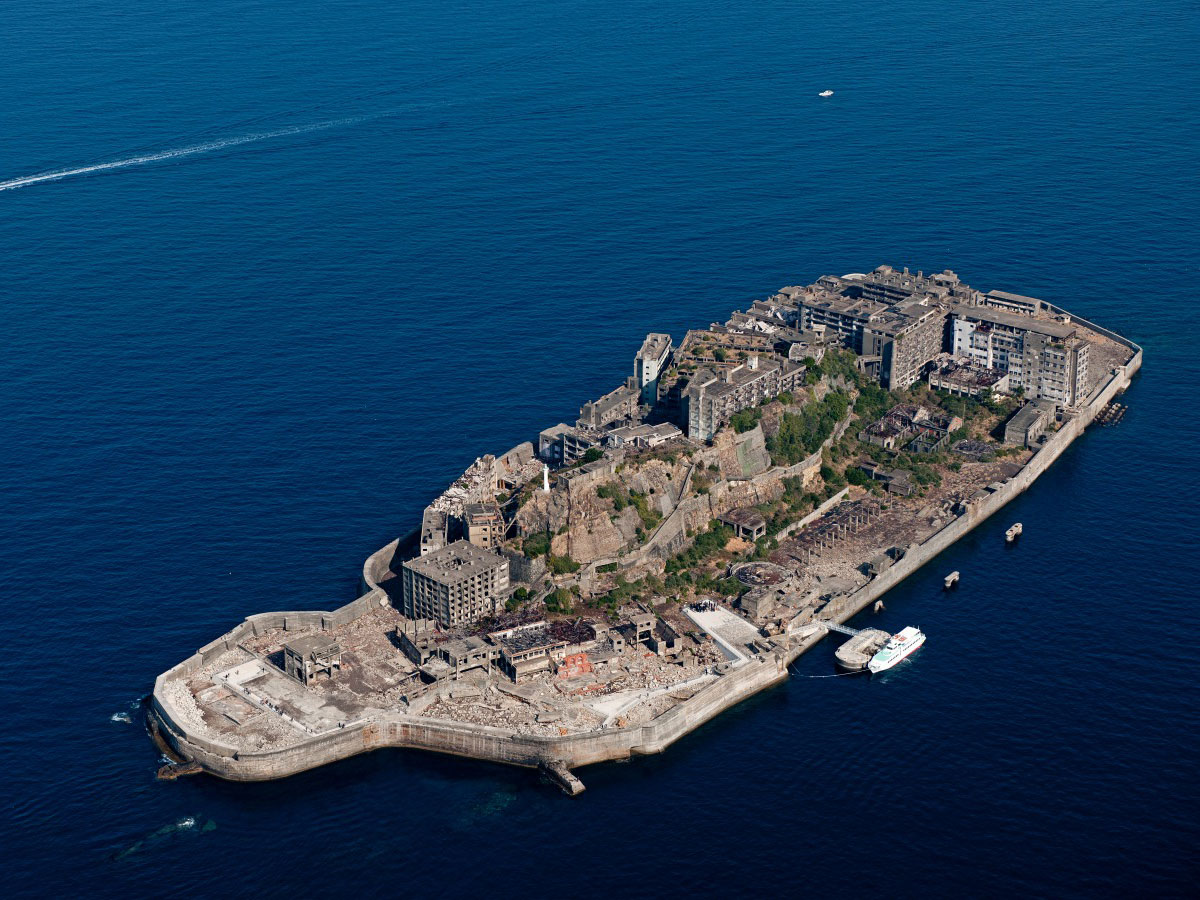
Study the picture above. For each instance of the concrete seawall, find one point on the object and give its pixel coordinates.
(462, 739)
(483, 742)
(981, 510)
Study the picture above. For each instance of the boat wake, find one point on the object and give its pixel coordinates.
(177, 153)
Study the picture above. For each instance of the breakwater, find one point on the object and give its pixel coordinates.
(557, 753)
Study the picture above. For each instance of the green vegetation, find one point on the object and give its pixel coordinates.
(855, 475)
(519, 596)
(593, 454)
(831, 477)
(707, 544)
(719, 354)
(536, 544)
(561, 565)
(744, 420)
(873, 401)
(764, 547)
(606, 568)
(800, 434)
(650, 518)
(614, 492)
(559, 601)
(839, 362)
(624, 591)
(621, 498)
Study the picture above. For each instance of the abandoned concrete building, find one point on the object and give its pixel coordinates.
(665, 640)
(1044, 357)
(564, 444)
(651, 361)
(1029, 423)
(484, 524)
(967, 378)
(464, 654)
(895, 318)
(747, 523)
(529, 650)
(1011, 303)
(906, 338)
(642, 627)
(641, 437)
(307, 657)
(615, 406)
(712, 398)
(895, 481)
(435, 529)
(455, 585)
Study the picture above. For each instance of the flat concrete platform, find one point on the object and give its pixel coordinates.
(731, 632)
(311, 711)
(855, 653)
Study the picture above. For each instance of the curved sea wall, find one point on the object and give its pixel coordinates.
(499, 745)
(463, 739)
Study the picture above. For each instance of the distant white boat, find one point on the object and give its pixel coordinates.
(825, 94)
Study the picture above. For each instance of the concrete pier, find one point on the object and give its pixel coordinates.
(857, 652)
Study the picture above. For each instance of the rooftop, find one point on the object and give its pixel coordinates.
(455, 562)
(1015, 298)
(311, 643)
(478, 512)
(745, 516)
(1021, 323)
(1027, 415)
(969, 372)
(655, 345)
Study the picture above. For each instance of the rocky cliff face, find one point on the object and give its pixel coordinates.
(741, 456)
(687, 493)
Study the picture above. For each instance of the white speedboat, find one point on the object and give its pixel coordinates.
(899, 646)
(825, 94)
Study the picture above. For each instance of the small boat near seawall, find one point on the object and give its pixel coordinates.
(898, 647)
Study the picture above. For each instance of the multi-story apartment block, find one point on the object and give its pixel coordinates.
(711, 398)
(649, 364)
(564, 444)
(484, 524)
(615, 406)
(455, 585)
(1043, 357)
(906, 338)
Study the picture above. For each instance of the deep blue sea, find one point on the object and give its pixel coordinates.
(345, 248)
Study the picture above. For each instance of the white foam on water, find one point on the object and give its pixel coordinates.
(210, 146)
(185, 823)
(121, 717)
(176, 153)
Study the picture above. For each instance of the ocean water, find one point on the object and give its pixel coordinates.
(295, 265)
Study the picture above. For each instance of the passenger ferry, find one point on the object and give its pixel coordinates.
(898, 647)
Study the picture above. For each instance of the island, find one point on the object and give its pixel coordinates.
(604, 590)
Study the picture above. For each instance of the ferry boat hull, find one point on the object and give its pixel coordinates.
(899, 647)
